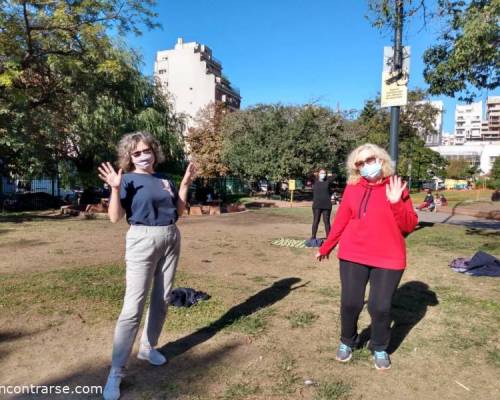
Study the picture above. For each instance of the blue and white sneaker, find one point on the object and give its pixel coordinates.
(344, 353)
(381, 360)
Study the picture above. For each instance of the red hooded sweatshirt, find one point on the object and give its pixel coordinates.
(369, 228)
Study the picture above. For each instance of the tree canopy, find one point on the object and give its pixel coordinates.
(280, 142)
(69, 89)
(205, 140)
(466, 57)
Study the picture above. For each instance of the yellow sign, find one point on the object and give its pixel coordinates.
(395, 82)
(291, 184)
(394, 90)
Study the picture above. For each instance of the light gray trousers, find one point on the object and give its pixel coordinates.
(151, 256)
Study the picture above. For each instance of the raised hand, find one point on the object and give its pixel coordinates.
(190, 174)
(394, 189)
(108, 174)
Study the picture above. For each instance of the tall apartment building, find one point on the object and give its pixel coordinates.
(475, 141)
(468, 122)
(490, 129)
(193, 78)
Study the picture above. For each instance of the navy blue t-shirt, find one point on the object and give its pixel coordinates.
(149, 199)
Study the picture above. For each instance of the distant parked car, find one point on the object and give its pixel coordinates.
(433, 185)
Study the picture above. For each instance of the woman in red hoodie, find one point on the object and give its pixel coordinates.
(373, 217)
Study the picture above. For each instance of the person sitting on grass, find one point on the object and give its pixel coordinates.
(370, 225)
(443, 200)
(152, 207)
(428, 202)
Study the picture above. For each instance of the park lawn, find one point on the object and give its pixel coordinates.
(271, 323)
(468, 198)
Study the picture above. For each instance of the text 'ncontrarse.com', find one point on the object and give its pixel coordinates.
(49, 389)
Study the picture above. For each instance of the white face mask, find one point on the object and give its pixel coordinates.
(144, 161)
(322, 176)
(371, 171)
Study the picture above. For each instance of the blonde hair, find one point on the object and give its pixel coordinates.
(129, 142)
(376, 151)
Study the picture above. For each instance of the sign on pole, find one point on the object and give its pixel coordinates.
(395, 82)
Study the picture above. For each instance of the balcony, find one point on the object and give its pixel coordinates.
(211, 60)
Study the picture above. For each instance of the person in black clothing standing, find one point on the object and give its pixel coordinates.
(322, 204)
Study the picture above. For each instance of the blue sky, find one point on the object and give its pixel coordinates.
(289, 51)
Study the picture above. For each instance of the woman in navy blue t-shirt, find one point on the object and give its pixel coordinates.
(152, 206)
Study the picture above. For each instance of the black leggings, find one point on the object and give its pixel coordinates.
(383, 284)
(316, 217)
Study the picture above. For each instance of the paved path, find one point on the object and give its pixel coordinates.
(464, 220)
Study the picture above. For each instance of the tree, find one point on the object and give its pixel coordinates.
(68, 90)
(417, 119)
(205, 140)
(466, 57)
(459, 169)
(495, 173)
(279, 142)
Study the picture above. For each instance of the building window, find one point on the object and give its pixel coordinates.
(162, 71)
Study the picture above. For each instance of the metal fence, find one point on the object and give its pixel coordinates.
(18, 194)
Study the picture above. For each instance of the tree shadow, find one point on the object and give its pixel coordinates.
(409, 306)
(422, 225)
(176, 377)
(28, 217)
(142, 380)
(482, 232)
(265, 298)
(7, 336)
(453, 211)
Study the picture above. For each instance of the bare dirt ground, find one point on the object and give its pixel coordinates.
(272, 321)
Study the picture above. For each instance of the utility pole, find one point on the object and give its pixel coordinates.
(398, 68)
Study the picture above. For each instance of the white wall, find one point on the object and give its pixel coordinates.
(486, 152)
(189, 85)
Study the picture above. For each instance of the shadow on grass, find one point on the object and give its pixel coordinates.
(265, 298)
(409, 307)
(482, 232)
(422, 225)
(19, 218)
(182, 376)
(179, 376)
(7, 336)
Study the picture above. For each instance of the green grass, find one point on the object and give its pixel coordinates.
(301, 319)
(96, 292)
(254, 324)
(361, 355)
(330, 292)
(297, 214)
(455, 197)
(494, 357)
(240, 391)
(333, 391)
(286, 377)
(460, 241)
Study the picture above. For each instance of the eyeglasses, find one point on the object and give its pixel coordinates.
(369, 160)
(139, 152)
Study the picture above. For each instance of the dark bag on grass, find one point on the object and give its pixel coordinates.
(186, 297)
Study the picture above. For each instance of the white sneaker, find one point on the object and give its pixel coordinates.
(112, 388)
(152, 355)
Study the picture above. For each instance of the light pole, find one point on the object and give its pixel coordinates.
(398, 68)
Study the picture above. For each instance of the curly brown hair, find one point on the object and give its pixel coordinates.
(128, 144)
